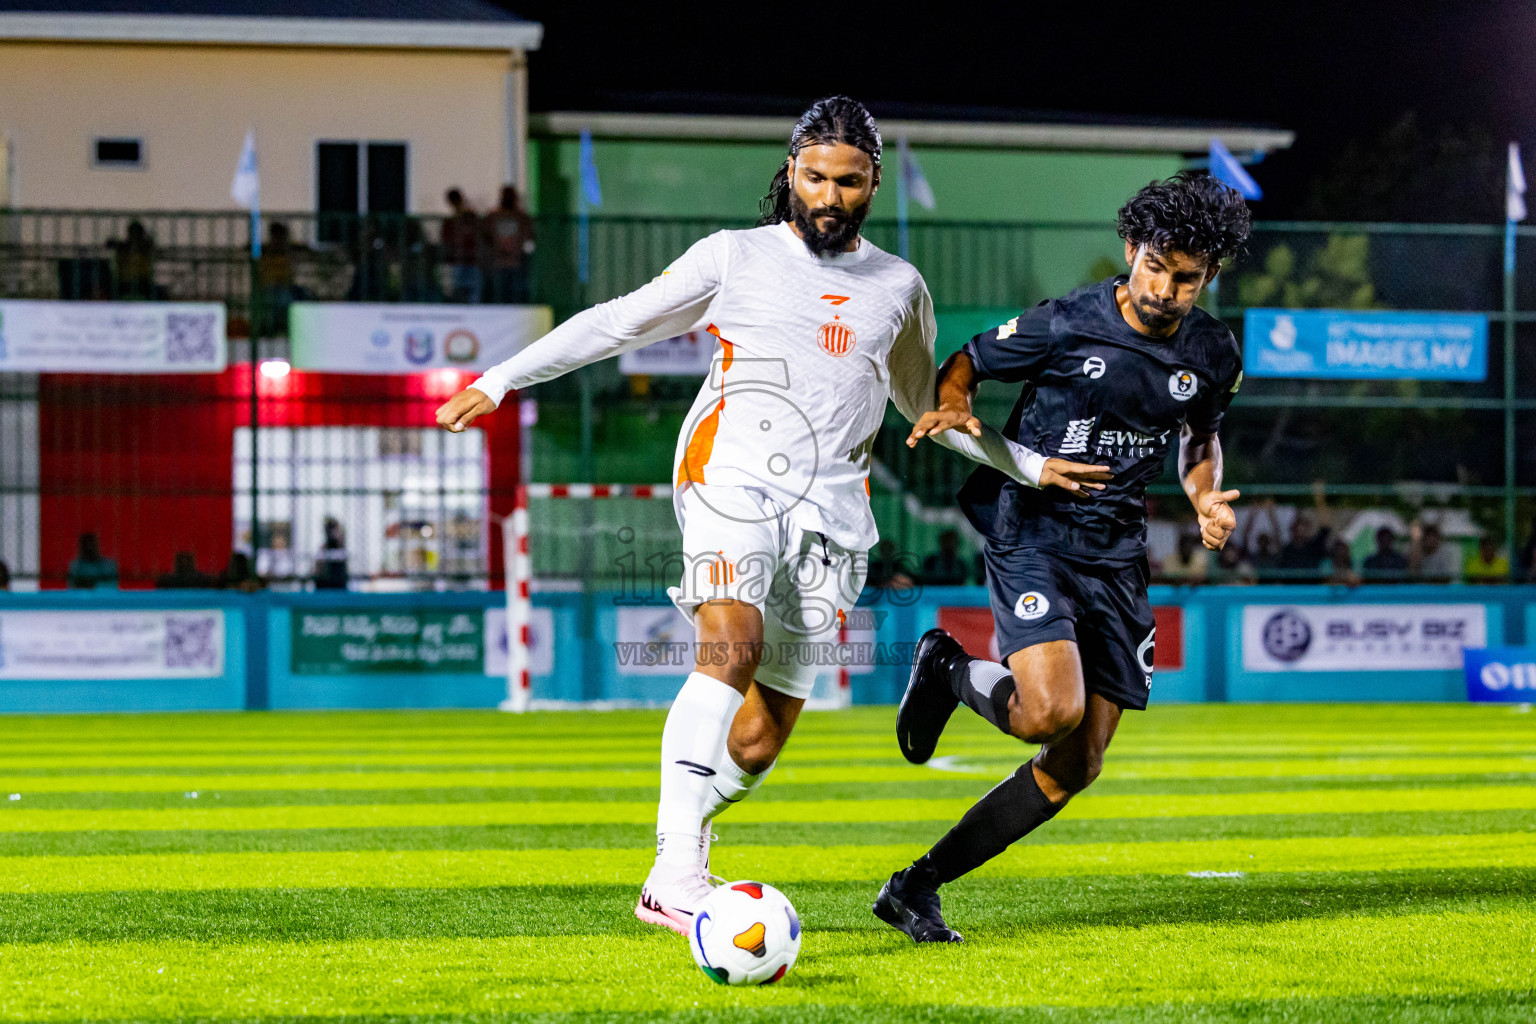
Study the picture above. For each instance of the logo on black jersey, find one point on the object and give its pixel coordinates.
(1031, 605)
(1183, 385)
(1093, 367)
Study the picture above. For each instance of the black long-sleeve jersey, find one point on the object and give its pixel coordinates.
(1096, 391)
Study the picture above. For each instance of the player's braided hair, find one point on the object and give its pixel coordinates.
(828, 120)
(1190, 212)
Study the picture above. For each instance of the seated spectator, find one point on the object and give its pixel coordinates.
(1386, 564)
(887, 569)
(184, 575)
(945, 568)
(1430, 558)
(331, 562)
(90, 570)
(1232, 565)
(1341, 565)
(1488, 564)
(237, 574)
(1302, 557)
(1189, 563)
(134, 264)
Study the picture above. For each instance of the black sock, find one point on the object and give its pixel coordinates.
(1015, 807)
(993, 705)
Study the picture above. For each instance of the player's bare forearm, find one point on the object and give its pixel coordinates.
(1200, 473)
(463, 409)
(956, 387)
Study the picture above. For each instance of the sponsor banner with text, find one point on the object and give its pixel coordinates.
(79, 645)
(1360, 637)
(112, 337)
(356, 337)
(974, 628)
(1365, 344)
(687, 355)
(1502, 674)
(364, 640)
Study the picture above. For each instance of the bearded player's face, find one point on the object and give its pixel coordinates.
(830, 190)
(1164, 286)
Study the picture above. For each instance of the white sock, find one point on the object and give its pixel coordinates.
(692, 742)
(730, 785)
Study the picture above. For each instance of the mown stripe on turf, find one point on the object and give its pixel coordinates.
(418, 869)
(755, 812)
(408, 777)
(996, 905)
(1360, 956)
(586, 836)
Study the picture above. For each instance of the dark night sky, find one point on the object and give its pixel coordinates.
(1329, 71)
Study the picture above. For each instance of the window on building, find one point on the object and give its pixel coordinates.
(119, 153)
(358, 177)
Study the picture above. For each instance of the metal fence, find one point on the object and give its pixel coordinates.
(1403, 445)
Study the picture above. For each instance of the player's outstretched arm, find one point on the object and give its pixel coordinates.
(1200, 472)
(669, 305)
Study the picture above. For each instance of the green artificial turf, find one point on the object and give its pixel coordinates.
(1380, 864)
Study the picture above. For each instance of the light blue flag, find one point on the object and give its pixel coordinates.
(245, 188)
(912, 177)
(1224, 167)
(591, 188)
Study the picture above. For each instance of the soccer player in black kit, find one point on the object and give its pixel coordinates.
(1113, 373)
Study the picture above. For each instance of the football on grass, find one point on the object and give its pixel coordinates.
(746, 933)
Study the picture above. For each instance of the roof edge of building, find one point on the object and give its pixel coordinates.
(1023, 135)
(243, 31)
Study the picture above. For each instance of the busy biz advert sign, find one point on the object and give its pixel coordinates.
(1365, 345)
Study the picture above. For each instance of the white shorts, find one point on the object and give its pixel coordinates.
(739, 543)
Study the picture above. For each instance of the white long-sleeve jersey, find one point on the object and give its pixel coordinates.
(810, 349)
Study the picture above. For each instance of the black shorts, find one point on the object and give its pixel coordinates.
(1038, 597)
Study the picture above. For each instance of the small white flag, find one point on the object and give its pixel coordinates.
(245, 189)
(1514, 193)
(912, 176)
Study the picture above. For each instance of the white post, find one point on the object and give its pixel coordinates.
(519, 575)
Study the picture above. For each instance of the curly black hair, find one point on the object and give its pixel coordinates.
(1190, 212)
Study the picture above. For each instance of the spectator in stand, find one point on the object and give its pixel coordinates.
(1341, 565)
(1386, 564)
(1232, 566)
(184, 575)
(237, 574)
(945, 568)
(1190, 562)
(134, 264)
(331, 562)
(274, 275)
(1430, 558)
(887, 569)
(5, 576)
(1162, 536)
(510, 233)
(418, 266)
(1527, 566)
(1301, 560)
(461, 250)
(90, 570)
(1488, 564)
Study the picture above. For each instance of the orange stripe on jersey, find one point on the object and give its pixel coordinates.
(702, 443)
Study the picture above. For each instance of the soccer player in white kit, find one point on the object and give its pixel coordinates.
(817, 329)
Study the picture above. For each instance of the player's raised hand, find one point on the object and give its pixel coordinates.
(1217, 520)
(943, 418)
(1076, 478)
(463, 409)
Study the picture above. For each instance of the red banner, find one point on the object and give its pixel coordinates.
(974, 629)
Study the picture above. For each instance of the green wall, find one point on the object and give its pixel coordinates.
(661, 178)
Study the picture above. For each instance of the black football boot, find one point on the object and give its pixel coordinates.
(930, 698)
(910, 904)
